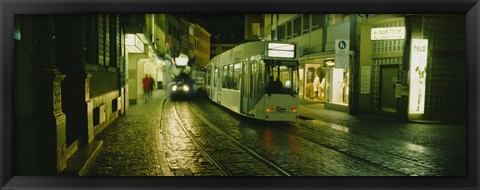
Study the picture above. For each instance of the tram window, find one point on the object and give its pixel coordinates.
(253, 79)
(236, 76)
(261, 77)
(215, 78)
(225, 77)
(230, 77)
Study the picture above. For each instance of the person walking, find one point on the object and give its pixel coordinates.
(146, 87)
(152, 85)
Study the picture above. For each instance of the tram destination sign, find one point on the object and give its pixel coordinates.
(284, 50)
(391, 33)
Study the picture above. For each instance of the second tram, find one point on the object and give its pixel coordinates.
(257, 79)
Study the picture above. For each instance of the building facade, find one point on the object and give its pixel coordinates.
(67, 89)
(419, 76)
(324, 75)
(362, 68)
(74, 76)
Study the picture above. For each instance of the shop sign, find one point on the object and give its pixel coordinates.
(341, 60)
(391, 33)
(366, 74)
(418, 74)
(342, 46)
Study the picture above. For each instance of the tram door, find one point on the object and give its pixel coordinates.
(218, 90)
(245, 86)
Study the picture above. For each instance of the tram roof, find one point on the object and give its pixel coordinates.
(245, 50)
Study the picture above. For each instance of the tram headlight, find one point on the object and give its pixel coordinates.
(293, 108)
(269, 108)
(174, 88)
(185, 88)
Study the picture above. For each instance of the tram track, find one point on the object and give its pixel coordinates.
(369, 155)
(384, 153)
(200, 146)
(338, 152)
(224, 170)
(367, 162)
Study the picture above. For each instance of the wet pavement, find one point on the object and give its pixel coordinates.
(152, 142)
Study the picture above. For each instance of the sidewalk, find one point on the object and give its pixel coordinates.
(131, 142)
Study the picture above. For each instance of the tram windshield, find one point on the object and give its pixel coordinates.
(282, 77)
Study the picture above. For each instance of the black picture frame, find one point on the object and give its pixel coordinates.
(8, 8)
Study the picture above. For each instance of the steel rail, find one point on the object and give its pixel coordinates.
(361, 145)
(204, 150)
(240, 145)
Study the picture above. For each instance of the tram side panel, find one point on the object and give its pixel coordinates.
(231, 99)
(270, 107)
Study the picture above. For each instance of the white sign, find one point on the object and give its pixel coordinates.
(392, 33)
(342, 46)
(281, 50)
(341, 60)
(398, 90)
(366, 74)
(418, 74)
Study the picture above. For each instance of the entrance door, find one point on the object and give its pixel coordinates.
(218, 71)
(245, 88)
(389, 76)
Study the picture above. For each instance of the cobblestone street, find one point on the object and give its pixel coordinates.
(130, 147)
(150, 141)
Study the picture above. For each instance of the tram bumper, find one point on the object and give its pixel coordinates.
(279, 116)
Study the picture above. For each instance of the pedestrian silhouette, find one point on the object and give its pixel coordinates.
(146, 87)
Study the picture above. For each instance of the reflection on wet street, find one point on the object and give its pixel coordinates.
(310, 147)
(199, 138)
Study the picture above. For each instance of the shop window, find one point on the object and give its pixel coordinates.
(334, 19)
(317, 21)
(115, 105)
(289, 30)
(306, 23)
(96, 116)
(297, 26)
(337, 85)
(281, 33)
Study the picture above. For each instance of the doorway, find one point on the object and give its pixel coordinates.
(389, 77)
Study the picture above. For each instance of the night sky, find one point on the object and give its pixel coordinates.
(224, 28)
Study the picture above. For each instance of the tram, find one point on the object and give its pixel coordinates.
(182, 86)
(257, 79)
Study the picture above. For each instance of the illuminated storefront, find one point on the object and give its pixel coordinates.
(323, 82)
(412, 66)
